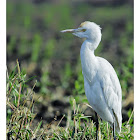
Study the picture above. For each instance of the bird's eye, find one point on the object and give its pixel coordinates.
(83, 30)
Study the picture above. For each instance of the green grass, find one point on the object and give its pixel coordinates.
(20, 116)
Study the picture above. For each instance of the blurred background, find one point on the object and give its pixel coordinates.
(53, 58)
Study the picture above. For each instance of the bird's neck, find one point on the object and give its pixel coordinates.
(89, 46)
(88, 59)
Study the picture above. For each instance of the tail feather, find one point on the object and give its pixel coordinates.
(118, 122)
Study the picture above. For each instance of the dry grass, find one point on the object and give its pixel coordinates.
(20, 121)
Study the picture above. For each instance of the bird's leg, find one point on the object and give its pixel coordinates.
(97, 127)
(114, 131)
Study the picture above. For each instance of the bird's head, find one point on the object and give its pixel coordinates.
(88, 30)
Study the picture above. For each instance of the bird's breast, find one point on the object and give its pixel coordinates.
(89, 65)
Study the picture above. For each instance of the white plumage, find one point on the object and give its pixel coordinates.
(102, 86)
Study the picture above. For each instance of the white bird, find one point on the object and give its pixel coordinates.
(102, 86)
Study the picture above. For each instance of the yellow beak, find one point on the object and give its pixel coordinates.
(68, 31)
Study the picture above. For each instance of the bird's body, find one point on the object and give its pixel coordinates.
(102, 86)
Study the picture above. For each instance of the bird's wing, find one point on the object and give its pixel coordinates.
(112, 94)
(111, 88)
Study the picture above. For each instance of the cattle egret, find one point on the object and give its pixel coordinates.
(102, 86)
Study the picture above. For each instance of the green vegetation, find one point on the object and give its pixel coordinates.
(45, 94)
